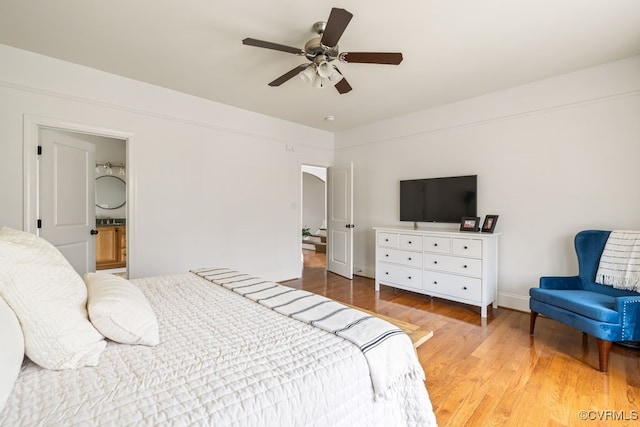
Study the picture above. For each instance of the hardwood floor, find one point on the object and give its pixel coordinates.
(490, 372)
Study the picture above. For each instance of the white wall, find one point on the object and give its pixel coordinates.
(213, 184)
(552, 157)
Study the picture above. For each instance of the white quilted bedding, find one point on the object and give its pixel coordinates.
(222, 360)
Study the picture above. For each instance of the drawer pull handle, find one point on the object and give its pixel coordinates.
(386, 240)
(435, 262)
(386, 272)
(435, 282)
(464, 287)
(387, 255)
(410, 242)
(466, 247)
(435, 244)
(464, 266)
(409, 277)
(409, 258)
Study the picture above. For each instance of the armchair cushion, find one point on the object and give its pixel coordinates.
(593, 305)
(571, 282)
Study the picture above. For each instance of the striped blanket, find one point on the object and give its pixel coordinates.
(387, 349)
(620, 261)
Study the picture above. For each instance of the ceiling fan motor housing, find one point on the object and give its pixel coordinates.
(314, 48)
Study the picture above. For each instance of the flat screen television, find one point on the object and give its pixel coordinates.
(445, 199)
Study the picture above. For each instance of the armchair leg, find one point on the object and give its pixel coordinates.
(603, 354)
(532, 322)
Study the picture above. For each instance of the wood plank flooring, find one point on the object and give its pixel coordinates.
(490, 372)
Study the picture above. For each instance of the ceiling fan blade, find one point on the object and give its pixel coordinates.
(288, 75)
(392, 58)
(274, 46)
(343, 86)
(336, 24)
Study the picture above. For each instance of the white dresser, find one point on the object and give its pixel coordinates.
(455, 265)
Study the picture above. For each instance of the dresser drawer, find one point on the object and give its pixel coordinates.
(468, 288)
(396, 256)
(407, 277)
(410, 242)
(441, 245)
(388, 240)
(452, 264)
(467, 247)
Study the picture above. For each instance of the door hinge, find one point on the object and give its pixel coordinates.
(39, 223)
(39, 150)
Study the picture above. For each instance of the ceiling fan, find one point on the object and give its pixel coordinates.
(322, 50)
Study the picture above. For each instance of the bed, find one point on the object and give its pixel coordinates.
(221, 359)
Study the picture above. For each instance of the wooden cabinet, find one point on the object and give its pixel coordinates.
(111, 247)
(458, 266)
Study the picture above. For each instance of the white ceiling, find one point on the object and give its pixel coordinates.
(453, 49)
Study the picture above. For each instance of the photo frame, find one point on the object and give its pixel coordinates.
(470, 223)
(489, 223)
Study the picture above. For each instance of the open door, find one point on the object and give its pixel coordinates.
(67, 197)
(340, 220)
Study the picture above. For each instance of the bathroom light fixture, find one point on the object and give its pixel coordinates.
(107, 168)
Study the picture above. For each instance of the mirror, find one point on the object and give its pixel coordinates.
(110, 192)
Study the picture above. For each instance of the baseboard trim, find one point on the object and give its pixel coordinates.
(513, 301)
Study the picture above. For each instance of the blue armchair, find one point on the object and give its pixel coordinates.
(607, 313)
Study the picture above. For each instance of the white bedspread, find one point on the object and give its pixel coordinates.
(222, 360)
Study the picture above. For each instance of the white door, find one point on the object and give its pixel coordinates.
(66, 197)
(340, 220)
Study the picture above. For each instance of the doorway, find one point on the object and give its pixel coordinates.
(43, 138)
(111, 204)
(314, 216)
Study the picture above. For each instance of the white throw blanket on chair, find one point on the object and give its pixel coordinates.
(620, 261)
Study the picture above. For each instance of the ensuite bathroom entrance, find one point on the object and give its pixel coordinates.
(82, 198)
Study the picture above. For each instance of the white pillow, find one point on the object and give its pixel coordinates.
(49, 299)
(12, 350)
(120, 311)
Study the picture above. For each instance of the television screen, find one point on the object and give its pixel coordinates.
(438, 199)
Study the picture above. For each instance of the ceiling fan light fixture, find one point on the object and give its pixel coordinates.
(318, 82)
(326, 70)
(336, 76)
(308, 74)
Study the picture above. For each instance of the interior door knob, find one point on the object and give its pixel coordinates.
(94, 232)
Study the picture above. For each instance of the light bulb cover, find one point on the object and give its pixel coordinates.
(335, 77)
(318, 82)
(309, 74)
(326, 70)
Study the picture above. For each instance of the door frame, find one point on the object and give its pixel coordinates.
(301, 201)
(31, 127)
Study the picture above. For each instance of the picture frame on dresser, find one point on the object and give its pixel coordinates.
(470, 223)
(489, 223)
